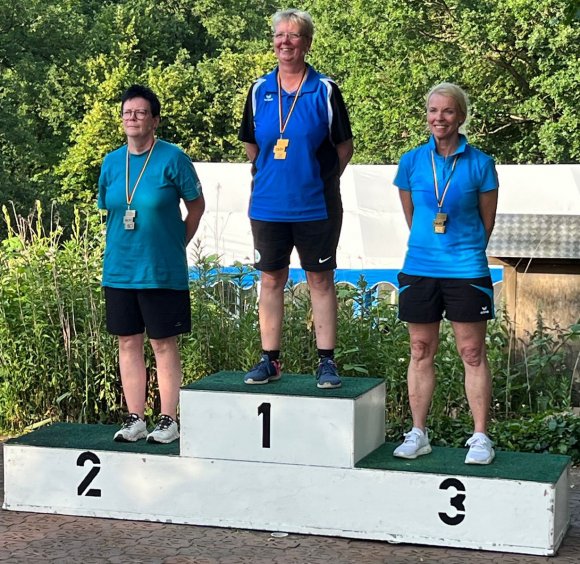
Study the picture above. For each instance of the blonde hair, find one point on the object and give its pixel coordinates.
(299, 17)
(455, 92)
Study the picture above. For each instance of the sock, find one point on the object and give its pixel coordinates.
(325, 353)
(272, 355)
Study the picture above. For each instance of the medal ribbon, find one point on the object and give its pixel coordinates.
(129, 195)
(284, 123)
(434, 169)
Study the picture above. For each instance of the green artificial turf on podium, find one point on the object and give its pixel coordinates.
(89, 437)
(545, 468)
(524, 466)
(288, 385)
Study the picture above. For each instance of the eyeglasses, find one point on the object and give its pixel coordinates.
(139, 114)
(292, 36)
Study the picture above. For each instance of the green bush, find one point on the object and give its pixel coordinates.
(57, 362)
(56, 359)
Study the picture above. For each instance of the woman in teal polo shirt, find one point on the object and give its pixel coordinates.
(145, 276)
(297, 135)
(448, 191)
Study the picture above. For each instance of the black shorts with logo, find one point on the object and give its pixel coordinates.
(426, 300)
(315, 241)
(163, 313)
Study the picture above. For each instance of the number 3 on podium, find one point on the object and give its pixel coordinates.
(456, 501)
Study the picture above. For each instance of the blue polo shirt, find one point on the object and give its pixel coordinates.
(153, 254)
(304, 185)
(460, 251)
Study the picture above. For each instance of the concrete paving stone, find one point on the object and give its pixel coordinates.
(132, 560)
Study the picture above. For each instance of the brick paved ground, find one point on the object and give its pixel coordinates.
(38, 538)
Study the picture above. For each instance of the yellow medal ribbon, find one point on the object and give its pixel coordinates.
(441, 218)
(282, 144)
(440, 200)
(129, 195)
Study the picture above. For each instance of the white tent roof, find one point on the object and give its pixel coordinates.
(374, 233)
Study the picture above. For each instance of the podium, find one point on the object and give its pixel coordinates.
(290, 457)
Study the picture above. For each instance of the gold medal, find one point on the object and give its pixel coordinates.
(280, 148)
(439, 222)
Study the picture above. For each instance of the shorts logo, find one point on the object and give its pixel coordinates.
(268, 98)
(321, 261)
(484, 311)
(257, 255)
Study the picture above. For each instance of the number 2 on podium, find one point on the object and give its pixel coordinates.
(264, 409)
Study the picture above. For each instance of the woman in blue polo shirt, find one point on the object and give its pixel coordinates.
(297, 135)
(448, 191)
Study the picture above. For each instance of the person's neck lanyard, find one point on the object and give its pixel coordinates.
(282, 144)
(129, 217)
(440, 217)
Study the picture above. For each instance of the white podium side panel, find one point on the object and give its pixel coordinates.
(285, 429)
(468, 512)
(369, 422)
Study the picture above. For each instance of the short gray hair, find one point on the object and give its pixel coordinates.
(453, 91)
(303, 19)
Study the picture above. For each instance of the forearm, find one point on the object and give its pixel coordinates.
(195, 209)
(344, 151)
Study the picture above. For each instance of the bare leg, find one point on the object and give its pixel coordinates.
(133, 376)
(271, 308)
(169, 373)
(324, 307)
(470, 339)
(424, 339)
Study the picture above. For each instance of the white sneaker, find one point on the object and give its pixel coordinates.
(416, 444)
(132, 430)
(166, 431)
(480, 449)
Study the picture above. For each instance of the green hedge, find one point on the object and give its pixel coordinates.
(57, 362)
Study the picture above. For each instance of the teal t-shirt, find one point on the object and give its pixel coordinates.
(153, 254)
(460, 252)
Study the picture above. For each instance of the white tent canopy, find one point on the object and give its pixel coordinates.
(374, 233)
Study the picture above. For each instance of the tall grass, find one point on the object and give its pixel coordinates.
(57, 361)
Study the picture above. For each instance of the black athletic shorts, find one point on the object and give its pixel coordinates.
(425, 300)
(315, 241)
(163, 313)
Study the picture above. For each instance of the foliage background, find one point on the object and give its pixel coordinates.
(63, 67)
(58, 363)
(65, 63)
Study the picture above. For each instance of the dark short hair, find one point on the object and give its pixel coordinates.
(139, 91)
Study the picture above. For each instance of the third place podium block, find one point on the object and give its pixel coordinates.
(288, 457)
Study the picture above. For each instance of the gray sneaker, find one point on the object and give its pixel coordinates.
(166, 431)
(480, 449)
(132, 430)
(416, 444)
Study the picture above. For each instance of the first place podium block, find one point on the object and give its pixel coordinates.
(289, 421)
(517, 504)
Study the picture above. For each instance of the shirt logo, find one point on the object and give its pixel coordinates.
(484, 311)
(321, 261)
(268, 98)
